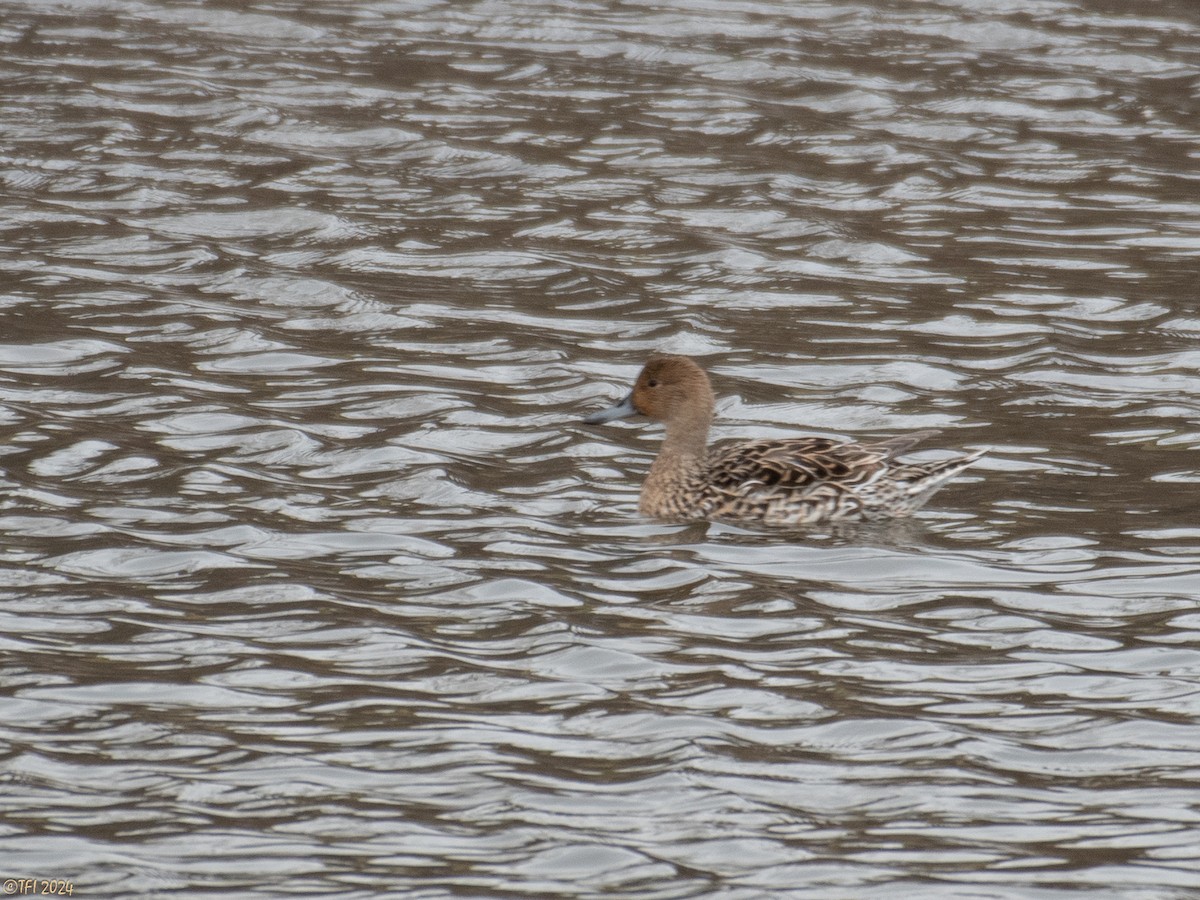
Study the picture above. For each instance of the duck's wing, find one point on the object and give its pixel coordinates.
(806, 480)
(797, 465)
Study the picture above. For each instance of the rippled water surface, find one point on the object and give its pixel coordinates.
(311, 582)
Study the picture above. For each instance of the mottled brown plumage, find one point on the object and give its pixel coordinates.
(794, 481)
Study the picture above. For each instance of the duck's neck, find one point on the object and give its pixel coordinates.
(673, 482)
(687, 437)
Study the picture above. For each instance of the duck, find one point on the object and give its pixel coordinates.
(785, 482)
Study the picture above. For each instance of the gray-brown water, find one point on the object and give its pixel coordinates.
(311, 582)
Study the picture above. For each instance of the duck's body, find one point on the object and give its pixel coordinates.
(777, 483)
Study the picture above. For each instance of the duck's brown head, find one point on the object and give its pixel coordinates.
(670, 389)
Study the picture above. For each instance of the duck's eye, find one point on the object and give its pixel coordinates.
(652, 383)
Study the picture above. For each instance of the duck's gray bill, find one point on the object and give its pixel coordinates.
(622, 410)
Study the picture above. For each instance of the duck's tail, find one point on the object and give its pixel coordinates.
(922, 480)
